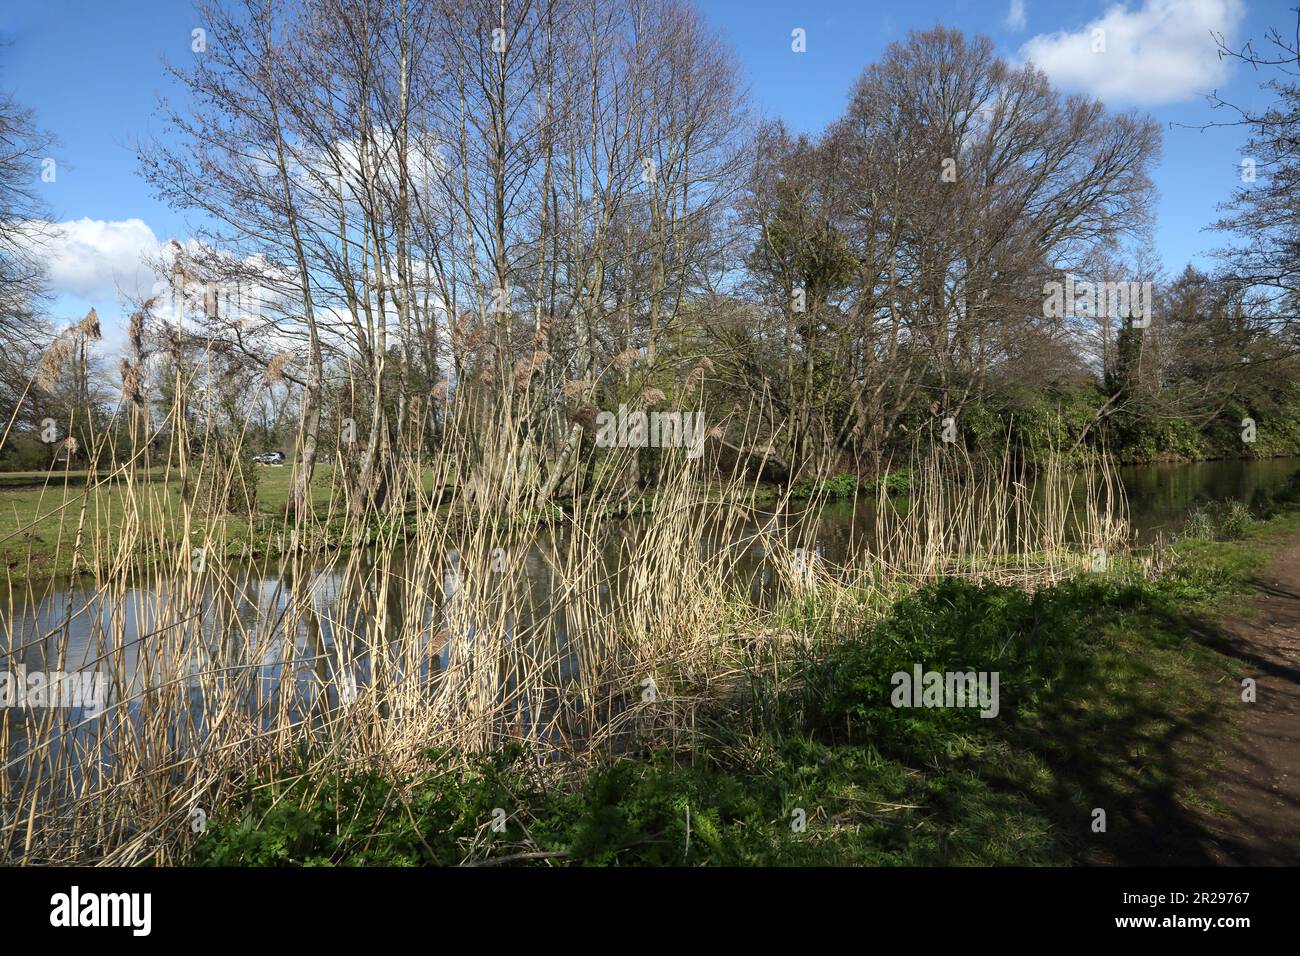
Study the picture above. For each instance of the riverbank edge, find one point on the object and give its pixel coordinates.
(1112, 698)
(264, 538)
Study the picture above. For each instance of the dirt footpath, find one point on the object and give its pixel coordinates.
(1260, 780)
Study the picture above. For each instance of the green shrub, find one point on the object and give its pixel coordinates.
(1199, 524)
(1234, 521)
(1226, 521)
(828, 488)
(898, 481)
(24, 453)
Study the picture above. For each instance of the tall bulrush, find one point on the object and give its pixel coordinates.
(482, 604)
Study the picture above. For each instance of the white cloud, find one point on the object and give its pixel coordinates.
(99, 261)
(1016, 15)
(1160, 53)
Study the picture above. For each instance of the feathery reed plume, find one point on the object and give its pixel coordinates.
(586, 417)
(131, 382)
(274, 373)
(88, 327)
(135, 329)
(651, 396)
(542, 332)
(527, 366)
(50, 368)
(173, 341)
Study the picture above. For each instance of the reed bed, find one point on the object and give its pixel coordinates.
(466, 613)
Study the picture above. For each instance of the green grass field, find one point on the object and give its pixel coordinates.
(40, 514)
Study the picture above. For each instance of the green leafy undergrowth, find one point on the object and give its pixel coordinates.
(1107, 692)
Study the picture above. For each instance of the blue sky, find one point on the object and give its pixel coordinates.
(92, 71)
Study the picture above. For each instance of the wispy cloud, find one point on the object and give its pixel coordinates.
(1016, 15)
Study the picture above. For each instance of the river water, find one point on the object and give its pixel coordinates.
(79, 631)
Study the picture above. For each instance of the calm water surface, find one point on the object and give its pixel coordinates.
(45, 636)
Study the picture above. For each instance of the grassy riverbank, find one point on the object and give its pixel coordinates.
(1110, 690)
(41, 517)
